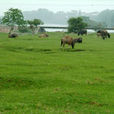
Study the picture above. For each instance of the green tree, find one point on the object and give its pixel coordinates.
(76, 24)
(37, 22)
(30, 22)
(13, 17)
(34, 24)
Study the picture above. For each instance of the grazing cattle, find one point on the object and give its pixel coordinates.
(82, 32)
(103, 33)
(12, 35)
(43, 35)
(70, 41)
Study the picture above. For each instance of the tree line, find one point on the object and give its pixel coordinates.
(105, 17)
(15, 17)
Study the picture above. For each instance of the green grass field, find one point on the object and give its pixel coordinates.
(37, 76)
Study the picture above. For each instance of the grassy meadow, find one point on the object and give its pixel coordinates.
(38, 76)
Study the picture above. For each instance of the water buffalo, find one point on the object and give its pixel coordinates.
(12, 35)
(70, 41)
(103, 33)
(82, 32)
(43, 35)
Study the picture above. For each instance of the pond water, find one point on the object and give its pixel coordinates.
(65, 30)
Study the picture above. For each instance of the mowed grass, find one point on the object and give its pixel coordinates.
(37, 76)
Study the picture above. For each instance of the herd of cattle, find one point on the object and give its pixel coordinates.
(68, 39)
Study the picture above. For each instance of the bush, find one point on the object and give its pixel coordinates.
(23, 29)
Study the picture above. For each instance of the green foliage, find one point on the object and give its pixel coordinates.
(13, 17)
(23, 29)
(34, 24)
(37, 22)
(90, 23)
(76, 24)
(39, 77)
(30, 22)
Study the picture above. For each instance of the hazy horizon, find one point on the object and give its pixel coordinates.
(59, 5)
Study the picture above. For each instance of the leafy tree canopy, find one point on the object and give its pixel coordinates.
(13, 17)
(35, 22)
(76, 24)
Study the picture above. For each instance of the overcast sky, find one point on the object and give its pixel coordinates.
(57, 5)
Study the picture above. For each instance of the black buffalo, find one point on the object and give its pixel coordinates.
(12, 35)
(82, 32)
